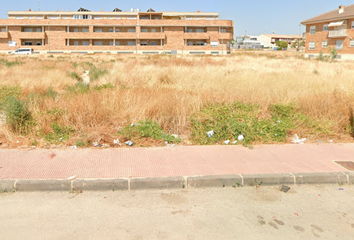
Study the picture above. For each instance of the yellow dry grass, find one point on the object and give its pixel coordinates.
(169, 89)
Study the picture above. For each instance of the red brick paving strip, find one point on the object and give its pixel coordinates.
(173, 161)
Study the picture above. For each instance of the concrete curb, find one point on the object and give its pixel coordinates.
(192, 182)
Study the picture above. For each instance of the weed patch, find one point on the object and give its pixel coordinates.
(228, 121)
(104, 86)
(18, 117)
(59, 133)
(8, 63)
(78, 88)
(7, 91)
(147, 129)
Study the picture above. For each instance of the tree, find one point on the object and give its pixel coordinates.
(232, 42)
(282, 45)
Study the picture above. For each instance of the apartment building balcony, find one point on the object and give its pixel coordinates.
(194, 35)
(152, 35)
(225, 36)
(100, 35)
(4, 34)
(338, 33)
(30, 35)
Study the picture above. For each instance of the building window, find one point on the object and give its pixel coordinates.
(351, 43)
(312, 46)
(82, 16)
(324, 44)
(325, 27)
(131, 30)
(312, 30)
(339, 44)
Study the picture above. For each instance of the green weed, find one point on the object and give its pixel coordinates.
(59, 133)
(8, 91)
(104, 86)
(9, 64)
(18, 117)
(148, 129)
(78, 88)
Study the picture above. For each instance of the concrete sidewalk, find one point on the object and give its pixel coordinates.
(200, 166)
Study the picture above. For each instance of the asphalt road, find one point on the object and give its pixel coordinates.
(305, 212)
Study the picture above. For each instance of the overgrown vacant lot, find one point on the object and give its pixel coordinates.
(265, 97)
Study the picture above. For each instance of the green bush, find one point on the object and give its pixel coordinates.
(18, 117)
(282, 45)
(76, 76)
(147, 129)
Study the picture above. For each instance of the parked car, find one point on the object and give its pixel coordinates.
(23, 51)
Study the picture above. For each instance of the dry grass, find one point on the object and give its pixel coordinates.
(169, 89)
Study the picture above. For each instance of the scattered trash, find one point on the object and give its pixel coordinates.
(0, 143)
(341, 189)
(132, 125)
(60, 139)
(174, 135)
(296, 214)
(234, 142)
(129, 143)
(227, 142)
(96, 144)
(319, 195)
(116, 142)
(17, 141)
(105, 197)
(72, 178)
(276, 135)
(105, 146)
(296, 139)
(210, 133)
(74, 147)
(320, 141)
(278, 121)
(331, 141)
(284, 188)
(240, 137)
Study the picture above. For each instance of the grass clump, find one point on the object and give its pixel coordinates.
(96, 73)
(59, 133)
(78, 88)
(104, 86)
(228, 121)
(76, 76)
(148, 129)
(8, 91)
(18, 116)
(8, 63)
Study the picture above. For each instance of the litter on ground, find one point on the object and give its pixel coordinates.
(129, 143)
(296, 139)
(210, 133)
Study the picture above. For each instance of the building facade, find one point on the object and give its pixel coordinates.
(331, 33)
(116, 32)
(248, 42)
(270, 40)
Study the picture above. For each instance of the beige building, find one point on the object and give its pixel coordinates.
(116, 32)
(331, 31)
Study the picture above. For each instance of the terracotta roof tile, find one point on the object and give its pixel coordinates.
(332, 15)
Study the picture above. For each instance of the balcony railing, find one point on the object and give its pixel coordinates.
(338, 33)
(193, 35)
(31, 35)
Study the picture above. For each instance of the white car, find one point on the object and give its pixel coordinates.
(23, 51)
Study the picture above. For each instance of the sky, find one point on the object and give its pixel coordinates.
(253, 17)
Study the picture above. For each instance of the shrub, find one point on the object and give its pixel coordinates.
(76, 76)
(9, 64)
(18, 117)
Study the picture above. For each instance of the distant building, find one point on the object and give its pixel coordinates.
(134, 31)
(269, 40)
(248, 42)
(329, 31)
